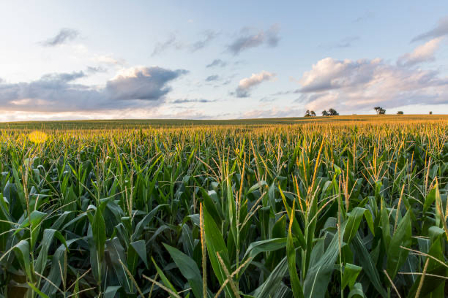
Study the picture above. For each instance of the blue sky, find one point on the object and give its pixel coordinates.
(220, 59)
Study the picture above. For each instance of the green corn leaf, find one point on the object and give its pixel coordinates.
(215, 243)
(350, 275)
(369, 268)
(34, 219)
(356, 291)
(396, 254)
(144, 222)
(353, 223)
(256, 186)
(164, 278)
(188, 269)
(385, 222)
(210, 205)
(291, 257)
(37, 290)
(97, 242)
(117, 254)
(140, 248)
(319, 274)
(22, 252)
(55, 273)
(111, 291)
(263, 246)
(272, 284)
(45, 245)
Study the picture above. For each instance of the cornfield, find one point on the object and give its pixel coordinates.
(341, 209)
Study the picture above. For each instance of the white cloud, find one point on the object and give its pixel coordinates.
(246, 84)
(328, 74)
(422, 53)
(353, 85)
(107, 59)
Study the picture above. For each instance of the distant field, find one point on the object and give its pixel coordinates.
(141, 123)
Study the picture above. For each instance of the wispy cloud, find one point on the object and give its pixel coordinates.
(296, 91)
(65, 35)
(267, 99)
(422, 53)
(182, 101)
(171, 42)
(249, 39)
(62, 77)
(439, 30)
(247, 84)
(208, 36)
(217, 63)
(343, 43)
(366, 16)
(107, 59)
(94, 70)
(212, 78)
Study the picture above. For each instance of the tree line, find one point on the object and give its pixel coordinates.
(332, 112)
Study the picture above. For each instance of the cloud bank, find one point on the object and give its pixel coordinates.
(362, 84)
(142, 87)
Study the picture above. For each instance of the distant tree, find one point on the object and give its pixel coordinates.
(430, 112)
(307, 114)
(400, 112)
(324, 113)
(380, 110)
(312, 113)
(333, 112)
